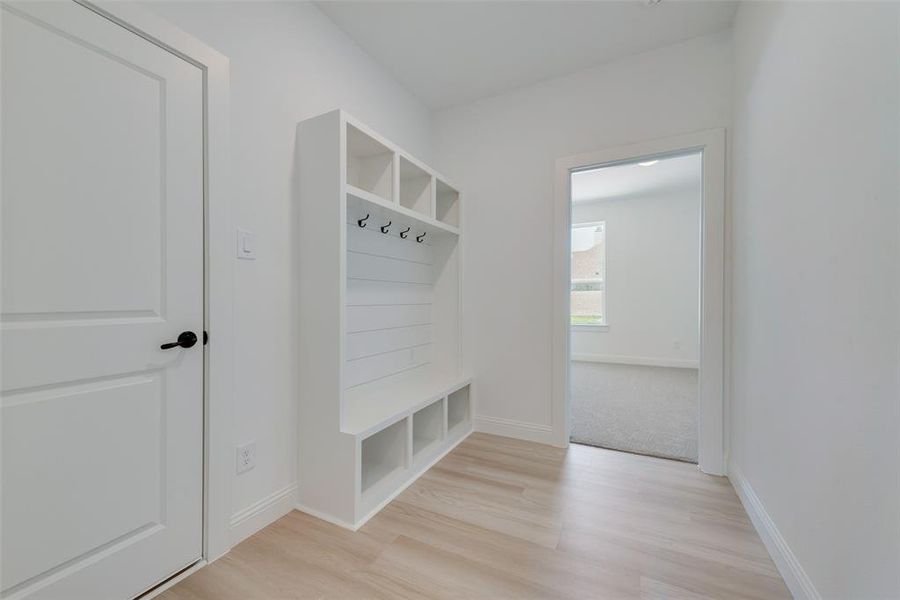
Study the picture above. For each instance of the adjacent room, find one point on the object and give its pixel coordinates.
(635, 376)
(438, 299)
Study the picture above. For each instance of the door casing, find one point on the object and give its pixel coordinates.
(217, 264)
(712, 447)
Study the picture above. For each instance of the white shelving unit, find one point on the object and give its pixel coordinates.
(383, 392)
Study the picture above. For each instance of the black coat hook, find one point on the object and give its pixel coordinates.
(362, 222)
(404, 232)
(419, 238)
(384, 228)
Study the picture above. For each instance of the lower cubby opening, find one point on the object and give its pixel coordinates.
(458, 409)
(383, 454)
(428, 428)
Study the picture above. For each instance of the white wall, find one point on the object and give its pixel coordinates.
(288, 62)
(502, 152)
(653, 277)
(815, 422)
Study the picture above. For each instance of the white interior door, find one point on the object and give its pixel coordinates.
(102, 262)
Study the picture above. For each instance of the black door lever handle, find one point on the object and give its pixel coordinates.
(186, 339)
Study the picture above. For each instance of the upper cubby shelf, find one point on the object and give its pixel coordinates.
(415, 187)
(370, 164)
(389, 179)
(447, 204)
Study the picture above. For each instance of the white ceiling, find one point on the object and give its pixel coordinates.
(632, 179)
(451, 52)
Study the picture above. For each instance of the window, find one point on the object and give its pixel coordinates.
(588, 294)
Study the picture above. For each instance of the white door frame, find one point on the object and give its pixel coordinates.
(218, 264)
(711, 447)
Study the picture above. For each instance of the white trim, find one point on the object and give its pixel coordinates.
(796, 579)
(711, 447)
(324, 516)
(218, 354)
(522, 430)
(261, 513)
(590, 328)
(644, 361)
(171, 581)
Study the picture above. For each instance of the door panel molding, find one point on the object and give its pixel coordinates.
(218, 267)
(146, 313)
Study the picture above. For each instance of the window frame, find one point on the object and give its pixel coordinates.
(604, 280)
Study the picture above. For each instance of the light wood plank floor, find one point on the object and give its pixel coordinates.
(500, 518)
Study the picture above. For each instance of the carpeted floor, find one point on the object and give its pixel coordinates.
(647, 410)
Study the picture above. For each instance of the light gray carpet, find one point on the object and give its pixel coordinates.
(648, 410)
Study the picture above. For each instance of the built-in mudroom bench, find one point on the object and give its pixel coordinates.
(383, 395)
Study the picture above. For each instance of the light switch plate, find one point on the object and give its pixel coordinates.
(245, 457)
(246, 244)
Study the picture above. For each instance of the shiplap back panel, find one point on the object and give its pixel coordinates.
(389, 296)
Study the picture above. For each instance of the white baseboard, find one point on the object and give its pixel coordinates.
(248, 521)
(325, 517)
(532, 432)
(644, 361)
(172, 581)
(796, 579)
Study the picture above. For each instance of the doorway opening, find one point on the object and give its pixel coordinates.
(635, 305)
(710, 145)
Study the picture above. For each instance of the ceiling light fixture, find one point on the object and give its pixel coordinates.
(647, 163)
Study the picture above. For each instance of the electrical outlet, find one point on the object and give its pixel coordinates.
(246, 457)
